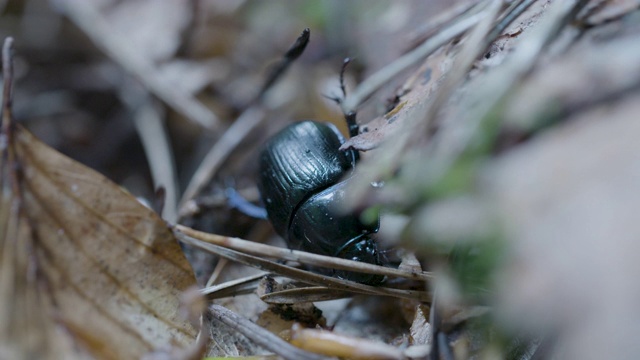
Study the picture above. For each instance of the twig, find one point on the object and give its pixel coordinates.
(261, 336)
(515, 10)
(436, 23)
(301, 275)
(382, 76)
(84, 15)
(303, 257)
(150, 128)
(492, 90)
(222, 263)
(153, 135)
(473, 46)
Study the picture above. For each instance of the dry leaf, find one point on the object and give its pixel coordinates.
(86, 269)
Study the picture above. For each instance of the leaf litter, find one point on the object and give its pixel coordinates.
(529, 78)
(86, 269)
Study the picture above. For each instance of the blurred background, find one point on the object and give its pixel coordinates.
(84, 69)
(536, 217)
(94, 78)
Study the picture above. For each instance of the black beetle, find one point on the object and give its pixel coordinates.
(301, 183)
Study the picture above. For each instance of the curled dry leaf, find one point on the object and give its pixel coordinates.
(86, 269)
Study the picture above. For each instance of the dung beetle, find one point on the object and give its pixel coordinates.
(302, 184)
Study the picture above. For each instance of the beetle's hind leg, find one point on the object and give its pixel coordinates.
(238, 202)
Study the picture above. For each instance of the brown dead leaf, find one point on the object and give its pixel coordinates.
(86, 270)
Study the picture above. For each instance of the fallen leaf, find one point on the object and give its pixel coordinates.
(86, 270)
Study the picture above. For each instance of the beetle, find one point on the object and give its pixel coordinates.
(302, 184)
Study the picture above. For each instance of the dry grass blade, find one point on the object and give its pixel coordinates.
(240, 286)
(487, 91)
(86, 269)
(302, 257)
(376, 80)
(473, 46)
(297, 274)
(304, 294)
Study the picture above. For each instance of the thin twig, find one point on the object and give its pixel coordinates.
(382, 76)
(301, 275)
(439, 21)
(261, 336)
(222, 263)
(157, 148)
(472, 47)
(492, 90)
(512, 13)
(302, 257)
(155, 141)
(304, 294)
(234, 287)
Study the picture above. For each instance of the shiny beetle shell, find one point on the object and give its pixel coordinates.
(301, 170)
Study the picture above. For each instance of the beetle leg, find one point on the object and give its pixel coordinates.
(236, 201)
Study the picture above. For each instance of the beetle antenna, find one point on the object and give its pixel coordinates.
(350, 117)
(289, 57)
(339, 99)
(345, 63)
